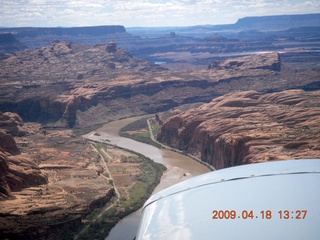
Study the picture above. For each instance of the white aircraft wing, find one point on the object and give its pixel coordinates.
(263, 201)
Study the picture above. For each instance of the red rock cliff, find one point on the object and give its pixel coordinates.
(248, 127)
(16, 171)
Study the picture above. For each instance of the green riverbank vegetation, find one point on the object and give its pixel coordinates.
(134, 178)
(139, 131)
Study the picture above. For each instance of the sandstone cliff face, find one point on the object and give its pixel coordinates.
(248, 127)
(40, 84)
(20, 173)
(5, 190)
(8, 144)
(16, 170)
(70, 85)
(12, 124)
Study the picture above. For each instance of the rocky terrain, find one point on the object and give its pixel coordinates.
(248, 127)
(70, 85)
(176, 52)
(190, 47)
(50, 177)
(267, 62)
(17, 171)
(170, 48)
(35, 37)
(37, 84)
(49, 180)
(63, 61)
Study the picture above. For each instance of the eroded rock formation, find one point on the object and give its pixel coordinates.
(5, 190)
(48, 180)
(70, 85)
(248, 127)
(12, 124)
(270, 61)
(16, 171)
(39, 84)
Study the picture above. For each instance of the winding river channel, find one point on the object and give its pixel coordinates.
(180, 167)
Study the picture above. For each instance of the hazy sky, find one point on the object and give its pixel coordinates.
(52, 13)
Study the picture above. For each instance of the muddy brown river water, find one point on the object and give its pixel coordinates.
(180, 167)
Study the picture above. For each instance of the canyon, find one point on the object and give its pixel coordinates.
(49, 180)
(187, 47)
(248, 127)
(224, 109)
(67, 85)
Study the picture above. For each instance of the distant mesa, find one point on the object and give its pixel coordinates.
(278, 22)
(74, 31)
(8, 43)
(34, 37)
(217, 38)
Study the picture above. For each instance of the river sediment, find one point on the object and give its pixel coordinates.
(179, 167)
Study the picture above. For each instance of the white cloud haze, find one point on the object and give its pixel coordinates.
(52, 13)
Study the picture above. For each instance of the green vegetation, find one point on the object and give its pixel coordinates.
(85, 130)
(135, 126)
(130, 159)
(148, 179)
(139, 131)
(98, 146)
(144, 175)
(97, 230)
(154, 128)
(139, 177)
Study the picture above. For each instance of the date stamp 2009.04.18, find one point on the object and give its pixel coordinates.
(263, 214)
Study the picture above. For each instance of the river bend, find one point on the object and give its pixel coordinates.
(180, 167)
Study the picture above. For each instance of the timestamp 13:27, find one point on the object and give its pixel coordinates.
(264, 214)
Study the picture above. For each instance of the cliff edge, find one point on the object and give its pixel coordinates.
(248, 127)
(46, 185)
(16, 171)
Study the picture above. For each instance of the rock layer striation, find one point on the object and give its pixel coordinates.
(248, 127)
(71, 85)
(49, 180)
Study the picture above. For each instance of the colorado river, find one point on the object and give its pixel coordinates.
(180, 167)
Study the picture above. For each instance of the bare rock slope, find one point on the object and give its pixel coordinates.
(16, 171)
(248, 127)
(71, 85)
(270, 61)
(49, 180)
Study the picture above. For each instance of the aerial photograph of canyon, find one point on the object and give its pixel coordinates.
(106, 104)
